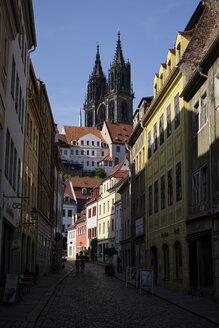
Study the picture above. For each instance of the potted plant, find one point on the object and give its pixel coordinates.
(110, 268)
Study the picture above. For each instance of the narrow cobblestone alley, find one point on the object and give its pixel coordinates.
(93, 300)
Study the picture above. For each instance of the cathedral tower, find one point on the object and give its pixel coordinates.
(112, 99)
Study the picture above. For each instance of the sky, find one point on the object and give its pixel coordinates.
(68, 31)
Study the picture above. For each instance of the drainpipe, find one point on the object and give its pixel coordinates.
(200, 72)
(209, 140)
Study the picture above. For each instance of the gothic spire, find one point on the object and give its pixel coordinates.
(118, 57)
(97, 70)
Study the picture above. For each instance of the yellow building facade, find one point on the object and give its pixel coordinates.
(106, 217)
(33, 128)
(165, 126)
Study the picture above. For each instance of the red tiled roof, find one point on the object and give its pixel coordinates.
(76, 132)
(121, 174)
(107, 158)
(119, 132)
(85, 182)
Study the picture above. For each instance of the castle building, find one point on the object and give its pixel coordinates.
(109, 99)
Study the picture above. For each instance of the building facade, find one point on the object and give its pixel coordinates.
(17, 38)
(201, 96)
(165, 124)
(137, 160)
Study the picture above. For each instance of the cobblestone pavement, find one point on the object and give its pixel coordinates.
(93, 300)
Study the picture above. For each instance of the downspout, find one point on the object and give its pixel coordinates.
(210, 177)
(200, 72)
(209, 140)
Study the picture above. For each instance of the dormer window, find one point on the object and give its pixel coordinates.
(67, 199)
(74, 142)
(155, 89)
(169, 65)
(161, 80)
(178, 48)
(84, 191)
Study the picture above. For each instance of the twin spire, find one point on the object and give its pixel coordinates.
(118, 58)
(97, 70)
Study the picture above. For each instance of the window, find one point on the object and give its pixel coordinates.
(63, 213)
(14, 169)
(65, 152)
(31, 130)
(162, 192)
(72, 151)
(7, 154)
(195, 189)
(112, 225)
(87, 142)
(92, 143)
(11, 161)
(93, 153)
(204, 184)
(203, 110)
(82, 151)
(156, 196)
(98, 143)
(170, 186)
(99, 209)
(13, 78)
(178, 182)
(89, 212)
(17, 92)
(169, 123)
(22, 115)
(87, 163)
(116, 160)
(178, 260)
(118, 149)
(103, 208)
(76, 152)
(200, 114)
(166, 266)
(177, 110)
(93, 163)
(94, 210)
(149, 144)
(103, 227)
(19, 105)
(5, 62)
(161, 128)
(195, 121)
(155, 137)
(18, 176)
(69, 213)
(82, 142)
(150, 200)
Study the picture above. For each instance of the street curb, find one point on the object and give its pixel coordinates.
(176, 304)
(34, 315)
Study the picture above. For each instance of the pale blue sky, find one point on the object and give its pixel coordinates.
(68, 32)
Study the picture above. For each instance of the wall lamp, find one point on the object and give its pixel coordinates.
(34, 214)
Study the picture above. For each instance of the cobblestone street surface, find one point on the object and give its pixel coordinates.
(91, 299)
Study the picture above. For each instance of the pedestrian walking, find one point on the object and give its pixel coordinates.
(118, 264)
(82, 264)
(77, 264)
